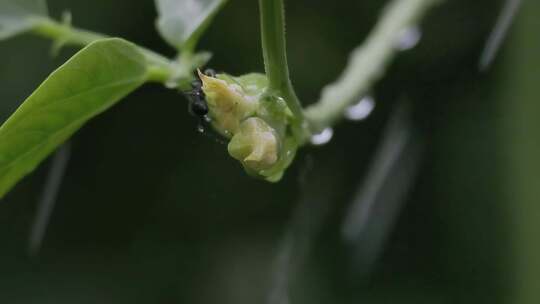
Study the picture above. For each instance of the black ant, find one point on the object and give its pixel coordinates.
(197, 105)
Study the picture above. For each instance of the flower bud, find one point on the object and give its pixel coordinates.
(256, 121)
(228, 104)
(255, 145)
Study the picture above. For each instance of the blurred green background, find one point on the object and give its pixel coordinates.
(151, 211)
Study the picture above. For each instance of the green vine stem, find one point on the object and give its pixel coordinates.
(275, 59)
(367, 63)
(161, 69)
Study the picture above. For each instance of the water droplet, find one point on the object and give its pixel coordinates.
(408, 38)
(322, 138)
(200, 128)
(361, 110)
(171, 84)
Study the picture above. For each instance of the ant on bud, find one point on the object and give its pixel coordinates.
(197, 105)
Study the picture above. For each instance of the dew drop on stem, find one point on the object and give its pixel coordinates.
(323, 137)
(408, 38)
(360, 110)
(200, 128)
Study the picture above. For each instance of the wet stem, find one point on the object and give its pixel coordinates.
(160, 68)
(366, 64)
(275, 61)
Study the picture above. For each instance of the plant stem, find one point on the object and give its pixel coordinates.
(160, 68)
(275, 57)
(159, 73)
(367, 63)
(67, 35)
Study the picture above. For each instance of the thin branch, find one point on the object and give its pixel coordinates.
(275, 56)
(68, 35)
(367, 63)
(161, 69)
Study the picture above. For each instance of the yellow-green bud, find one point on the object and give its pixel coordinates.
(228, 104)
(256, 120)
(255, 145)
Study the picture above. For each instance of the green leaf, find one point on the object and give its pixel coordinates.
(182, 22)
(17, 16)
(89, 83)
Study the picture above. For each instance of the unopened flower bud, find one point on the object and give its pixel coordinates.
(255, 145)
(228, 104)
(256, 121)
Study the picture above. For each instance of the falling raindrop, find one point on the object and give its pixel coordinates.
(408, 38)
(322, 138)
(504, 21)
(361, 110)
